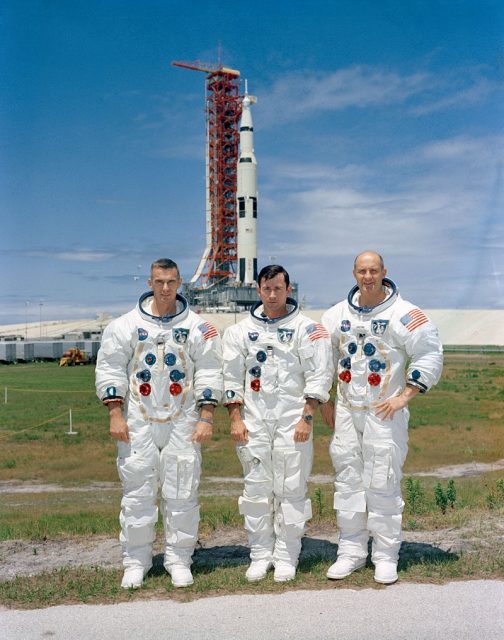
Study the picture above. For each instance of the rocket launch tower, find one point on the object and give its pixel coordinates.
(225, 277)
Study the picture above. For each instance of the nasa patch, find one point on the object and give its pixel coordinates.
(253, 335)
(345, 325)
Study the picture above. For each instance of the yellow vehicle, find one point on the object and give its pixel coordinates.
(72, 357)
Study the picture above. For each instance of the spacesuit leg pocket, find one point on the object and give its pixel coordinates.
(181, 472)
(289, 479)
(379, 472)
(137, 475)
(256, 466)
(347, 462)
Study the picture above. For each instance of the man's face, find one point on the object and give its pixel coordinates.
(369, 273)
(273, 294)
(164, 284)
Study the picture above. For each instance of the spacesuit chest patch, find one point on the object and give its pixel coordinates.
(253, 335)
(285, 335)
(180, 335)
(142, 334)
(345, 325)
(378, 327)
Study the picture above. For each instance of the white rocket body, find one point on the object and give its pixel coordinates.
(246, 196)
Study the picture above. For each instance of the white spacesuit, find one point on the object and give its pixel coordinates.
(270, 367)
(164, 369)
(377, 352)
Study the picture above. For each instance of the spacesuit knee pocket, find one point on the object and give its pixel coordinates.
(379, 474)
(181, 476)
(384, 504)
(288, 476)
(354, 501)
(255, 507)
(296, 512)
(138, 523)
(182, 527)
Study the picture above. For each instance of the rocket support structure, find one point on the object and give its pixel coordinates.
(246, 197)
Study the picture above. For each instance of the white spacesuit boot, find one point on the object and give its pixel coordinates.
(258, 518)
(352, 546)
(386, 532)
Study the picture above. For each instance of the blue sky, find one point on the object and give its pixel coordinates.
(378, 126)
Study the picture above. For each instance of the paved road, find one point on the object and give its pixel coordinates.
(455, 611)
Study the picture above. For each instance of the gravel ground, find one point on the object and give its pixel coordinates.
(454, 611)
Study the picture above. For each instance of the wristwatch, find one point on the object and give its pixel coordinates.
(307, 417)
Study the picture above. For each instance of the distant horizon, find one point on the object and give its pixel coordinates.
(109, 315)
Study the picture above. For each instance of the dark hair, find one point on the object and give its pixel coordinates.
(165, 263)
(271, 271)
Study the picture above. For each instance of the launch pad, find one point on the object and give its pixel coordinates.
(226, 276)
(230, 298)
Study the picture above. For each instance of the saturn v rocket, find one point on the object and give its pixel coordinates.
(246, 197)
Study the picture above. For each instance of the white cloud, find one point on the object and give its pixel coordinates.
(78, 255)
(442, 216)
(469, 95)
(297, 96)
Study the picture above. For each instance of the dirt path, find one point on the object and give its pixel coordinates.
(453, 471)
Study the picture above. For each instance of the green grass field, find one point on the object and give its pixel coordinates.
(460, 421)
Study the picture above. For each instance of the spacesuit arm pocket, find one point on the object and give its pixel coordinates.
(306, 357)
(181, 476)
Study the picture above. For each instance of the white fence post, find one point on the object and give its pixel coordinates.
(70, 432)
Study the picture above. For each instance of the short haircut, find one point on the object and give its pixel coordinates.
(382, 263)
(165, 263)
(271, 271)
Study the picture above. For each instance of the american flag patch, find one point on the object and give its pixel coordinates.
(208, 330)
(316, 331)
(414, 319)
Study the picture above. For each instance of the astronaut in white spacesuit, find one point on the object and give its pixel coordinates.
(159, 372)
(277, 369)
(386, 351)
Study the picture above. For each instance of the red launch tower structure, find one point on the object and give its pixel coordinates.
(223, 110)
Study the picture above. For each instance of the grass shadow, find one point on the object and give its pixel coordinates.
(420, 553)
(313, 552)
(205, 560)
